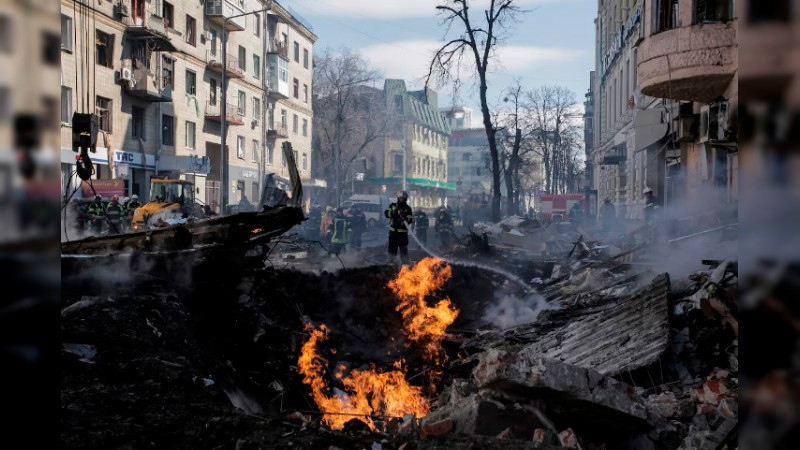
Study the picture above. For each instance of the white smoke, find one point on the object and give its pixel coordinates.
(510, 311)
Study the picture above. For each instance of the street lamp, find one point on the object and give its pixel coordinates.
(224, 106)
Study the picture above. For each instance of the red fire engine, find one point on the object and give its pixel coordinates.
(555, 207)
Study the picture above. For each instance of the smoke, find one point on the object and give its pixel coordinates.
(509, 311)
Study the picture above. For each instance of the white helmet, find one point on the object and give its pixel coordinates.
(646, 191)
(134, 197)
(126, 199)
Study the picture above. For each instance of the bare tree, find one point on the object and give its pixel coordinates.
(476, 41)
(550, 109)
(349, 114)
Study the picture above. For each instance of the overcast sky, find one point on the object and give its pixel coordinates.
(553, 43)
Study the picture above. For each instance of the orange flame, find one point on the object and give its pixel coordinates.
(425, 324)
(366, 392)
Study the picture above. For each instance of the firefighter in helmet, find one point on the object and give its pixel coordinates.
(400, 217)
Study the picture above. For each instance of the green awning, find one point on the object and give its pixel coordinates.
(422, 182)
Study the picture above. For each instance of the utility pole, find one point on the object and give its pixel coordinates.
(224, 105)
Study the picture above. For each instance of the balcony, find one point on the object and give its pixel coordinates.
(214, 64)
(277, 77)
(218, 10)
(694, 63)
(278, 47)
(615, 155)
(277, 130)
(149, 26)
(214, 112)
(145, 85)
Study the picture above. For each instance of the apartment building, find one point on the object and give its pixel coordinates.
(689, 57)
(413, 154)
(152, 72)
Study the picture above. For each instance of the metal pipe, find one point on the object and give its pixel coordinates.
(224, 107)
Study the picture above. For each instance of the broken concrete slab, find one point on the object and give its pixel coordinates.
(572, 394)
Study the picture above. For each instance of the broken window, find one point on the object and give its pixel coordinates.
(105, 49)
(167, 130)
(103, 111)
(710, 11)
(167, 71)
(665, 15)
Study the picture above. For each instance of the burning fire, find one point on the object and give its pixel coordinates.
(366, 392)
(423, 324)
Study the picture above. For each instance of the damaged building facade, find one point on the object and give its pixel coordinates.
(664, 86)
(152, 72)
(413, 153)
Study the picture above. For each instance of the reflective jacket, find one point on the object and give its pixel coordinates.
(96, 210)
(339, 229)
(421, 221)
(114, 211)
(399, 216)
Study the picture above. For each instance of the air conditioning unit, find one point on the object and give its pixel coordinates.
(125, 74)
(206, 36)
(683, 128)
(121, 9)
(255, 122)
(714, 122)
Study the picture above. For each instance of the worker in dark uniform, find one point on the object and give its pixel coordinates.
(358, 223)
(444, 226)
(338, 230)
(421, 226)
(400, 216)
(97, 215)
(115, 212)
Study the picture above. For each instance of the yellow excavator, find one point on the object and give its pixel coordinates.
(170, 202)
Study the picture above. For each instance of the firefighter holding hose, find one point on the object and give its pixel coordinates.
(400, 216)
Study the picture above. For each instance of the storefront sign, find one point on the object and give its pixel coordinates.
(134, 159)
(103, 188)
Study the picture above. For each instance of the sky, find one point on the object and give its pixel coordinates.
(551, 44)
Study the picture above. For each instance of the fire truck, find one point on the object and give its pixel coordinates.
(556, 207)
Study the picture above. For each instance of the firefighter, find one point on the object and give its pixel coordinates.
(444, 226)
(132, 205)
(421, 226)
(400, 216)
(358, 223)
(115, 213)
(652, 206)
(97, 214)
(338, 231)
(326, 221)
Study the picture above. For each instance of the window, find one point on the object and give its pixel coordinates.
(191, 82)
(665, 15)
(305, 127)
(191, 133)
(305, 161)
(242, 103)
(212, 95)
(283, 70)
(66, 104)
(283, 118)
(285, 39)
(168, 15)
(257, 25)
(775, 11)
(305, 93)
(256, 108)
(191, 31)
(6, 34)
(709, 11)
(466, 156)
(66, 33)
(256, 66)
(255, 192)
(305, 58)
(397, 163)
(103, 111)
(296, 88)
(294, 124)
(240, 146)
(137, 123)
(254, 156)
(50, 112)
(213, 42)
(51, 53)
(296, 52)
(168, 70)
(270, 155)
(167, 130)
(242, 59)
(104, 43)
